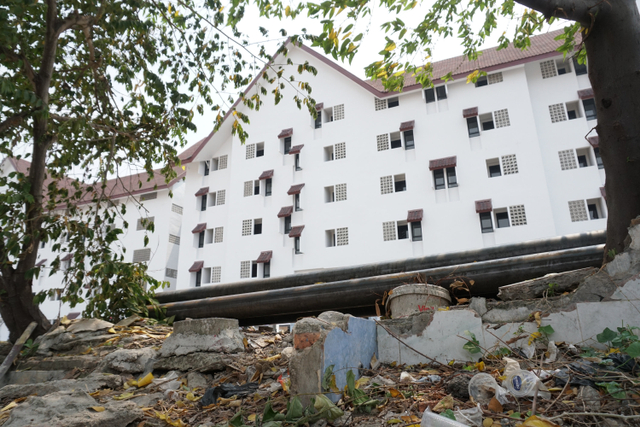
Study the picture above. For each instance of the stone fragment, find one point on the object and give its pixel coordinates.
(129, 361)
(31, 377)
(458, 386)
(535, 288)
(479, 305)
(195, 379)
(201, 362)
(588, 398)
(203, 335)
(288, 352)
(129, 321)
(63, 363)
(89, 384)
(91, 325)
(72, 409)
(147, 400)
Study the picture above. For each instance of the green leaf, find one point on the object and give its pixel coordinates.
(633, 350)
(294, 409)
(326, 378)
(448, 413)
(614, 389)
(326, 408)
(547, 330)
(606, 336)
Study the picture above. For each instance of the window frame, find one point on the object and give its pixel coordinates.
(416, 231)
(485, 217)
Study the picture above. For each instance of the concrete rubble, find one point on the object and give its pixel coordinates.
(374, 372)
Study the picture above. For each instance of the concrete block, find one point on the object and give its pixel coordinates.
(31, 377)
(63, 363)
(130, 361)
(201, 362)
(203, 335)
(594, 317)
(89, 384)
(629, 291)
(438, 338)
(332, 339)
(89, 325)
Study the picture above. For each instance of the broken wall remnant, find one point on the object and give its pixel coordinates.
(332, 339)
(203, 335)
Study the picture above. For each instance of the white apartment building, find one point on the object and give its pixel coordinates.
(385, 176)
(147, 200)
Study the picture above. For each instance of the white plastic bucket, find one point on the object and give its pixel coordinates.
(406, 300)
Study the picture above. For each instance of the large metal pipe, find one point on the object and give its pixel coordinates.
(358, 296)
(384, 268)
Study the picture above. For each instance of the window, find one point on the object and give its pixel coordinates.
(257, 226)
(393, 102)
(171, 273)
(297, 162)
(554, 67)
(256, 187)
(584, 158)
(317, 123)
(296, 245)
(439, 178)
(208, 236)
(43, 243)
(329, 194)
(287, 145)
(396, 141)
(389, 184)
(251, 151)
(332, 114)
(581, 69)
(203, 202)
(219, 162)
(217, 198)
(149, 196)
(400, 183)
(335, 152)
(337, 237)
(472, 127)
(493, 168)
(206, 275)
(55, 295)
(266, 269)
(218, 235)
(330, 238)
(268, 186)
(201, 239)
(174, 239)
(145, 223)
(590, 109)
(216, 274)
(287, 224)
(494, 78)
(198, 278)
(482, 81)
(250, 188)
(206, 167)
(254, 269)
(296, 202)
(177, 209)
(245, 269)
(409, 143)
(567, 160)
(383, 104)
(140, 255)
(596, 152)
(593, 211)
(573, 111)
(403, 230)
(502, 218)
(260, 149)
(416, 231)
(431, 94)
(486, 121)
(485, 222)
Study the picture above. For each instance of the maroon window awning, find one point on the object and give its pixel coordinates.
(470, 112)
(296, 149)
(67, 257)
(265, 256)
(414, 215)
(407, 125)
(197, 266)
(602, 191)
(445, 162)
(202, 191)
(319, 106)
(483, 206)
(296, 231)
(199, 228)
(73, 315)
(594, 141)
(295, 189)
(285, 133)
(41, 262)
(267, 174)
(585, 93)
(285, 211)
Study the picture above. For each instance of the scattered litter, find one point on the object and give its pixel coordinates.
(227, 390)
(429, 419)
(483, 387)
(552, 350)
(406, 378)
(469, 417)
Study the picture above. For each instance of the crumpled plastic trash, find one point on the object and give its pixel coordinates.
(512, 366)
(587, 373)
(382, 380)
(469, 417)
(483, 387)
(168, 382)
(522, 383)
(227, 390)
(553, 352)
(430, 379)
(431, 419)
(405, 377)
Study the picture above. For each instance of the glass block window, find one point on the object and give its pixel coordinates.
(518, 216)
(389, 230)
(386, 184)
(501, 118)
(251, 151)
(548, 69)
(248, 188)
(383, 142)
(556, 111)
(143, 223)
(340, 150)
(218, 234)
(216, 274)
(221, 197)
(149, 196)
(177, 209)
(509, 164)
(174, 239)
(494, 78)
(342, 236)
(341, 192)
(578, 211)
(381, 104)
(247, 226)
(171, 273)
(338, 112)
(567, 160)
(245, 269)
(222, 163)
(142, 255)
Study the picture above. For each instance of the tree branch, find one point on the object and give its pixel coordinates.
(13, 121)
(572, 10)
(26, 65)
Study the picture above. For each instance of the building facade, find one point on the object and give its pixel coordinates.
(384, 176)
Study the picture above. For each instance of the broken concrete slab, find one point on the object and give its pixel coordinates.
(129, 321)
(332, 339)
(201, 362)
(147, 400)
(89, 384)
(195, 379)
(72, 409)
(129, 361)
(203, 335)
(89, 325)
(31, 377)
(62, 363)
(549, 285)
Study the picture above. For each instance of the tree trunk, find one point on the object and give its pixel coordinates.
(17, 308)
(613, 52)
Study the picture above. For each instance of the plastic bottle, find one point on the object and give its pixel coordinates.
(431, 419)
(520, 383)
(482, 388)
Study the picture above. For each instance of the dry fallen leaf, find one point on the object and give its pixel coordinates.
(123, 396)
(410, 419)
(495, 406)
(146, 380)
(445, 403)
(487, 422)
(394, 392)
(9, 406)
(98, 408)
(536, 316)
(534, 421)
